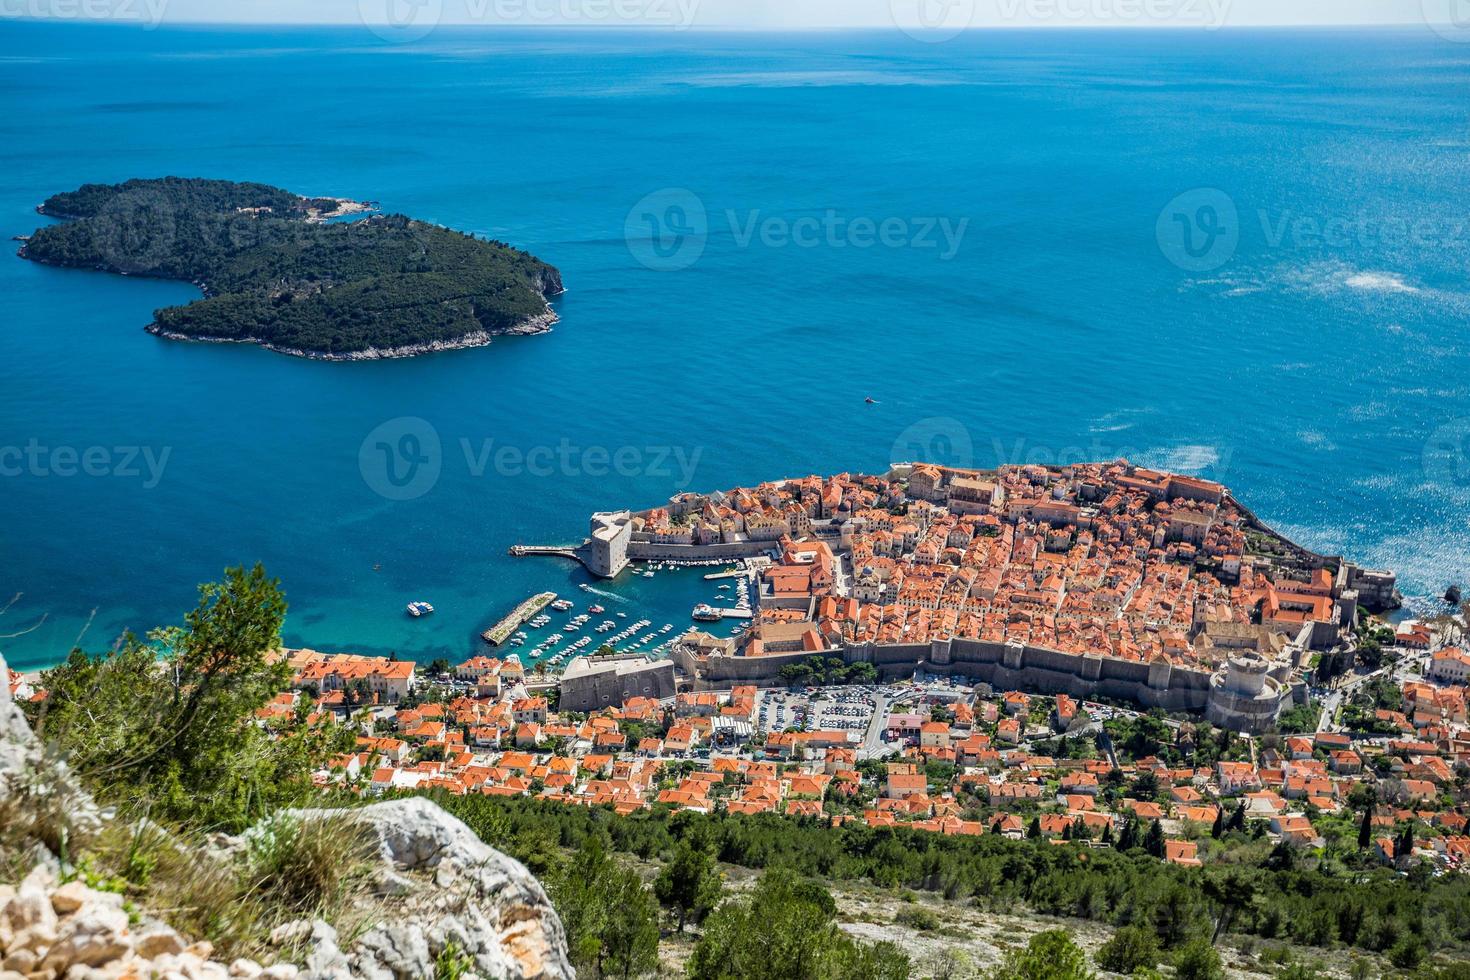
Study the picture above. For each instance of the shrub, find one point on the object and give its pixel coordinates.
(917, 917)
(1197, 960)
(1049, 955)
(307, 866)
(1130, 949)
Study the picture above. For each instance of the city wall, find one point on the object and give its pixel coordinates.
(1001, 665)
(648, 551)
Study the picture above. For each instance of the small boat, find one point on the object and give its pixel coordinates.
(870, 401)
(417, 609)
(596, 610)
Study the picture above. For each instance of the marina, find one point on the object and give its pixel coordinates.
(503, 630)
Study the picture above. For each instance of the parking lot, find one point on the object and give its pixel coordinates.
(843, 710)
(780, 710)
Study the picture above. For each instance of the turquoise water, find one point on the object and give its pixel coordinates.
(1323, 377)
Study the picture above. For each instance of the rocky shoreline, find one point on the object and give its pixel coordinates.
(480, 338)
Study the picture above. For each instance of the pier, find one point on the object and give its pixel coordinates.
(577, 553)
(502, 630)
(729, 613)
(738, 573)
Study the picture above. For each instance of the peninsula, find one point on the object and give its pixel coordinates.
(277, 271)
(1097, 579)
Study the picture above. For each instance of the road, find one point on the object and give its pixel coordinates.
(873, 745)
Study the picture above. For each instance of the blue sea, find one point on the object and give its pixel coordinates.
(1242, 254)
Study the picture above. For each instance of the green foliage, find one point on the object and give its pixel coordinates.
(1300, 718)
(1131, 948)
(1197, 960)
(1371, 908)
(786, 930)
(273, 276)
(306, 866)
(169, 723)
(453, 964)
(689, 884)
(611, 919)
(1049, 955)
(917, 917)
(823, 671)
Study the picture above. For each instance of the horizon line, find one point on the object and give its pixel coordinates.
(734, 28)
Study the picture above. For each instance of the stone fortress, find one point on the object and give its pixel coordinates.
(1101, 580)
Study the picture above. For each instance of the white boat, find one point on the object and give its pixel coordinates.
(417, 609)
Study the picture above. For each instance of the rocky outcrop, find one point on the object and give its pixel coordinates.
(50, 930)
(460, 898)
(455, 904)
(40, 800)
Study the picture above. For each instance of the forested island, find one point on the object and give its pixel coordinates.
(276, 271)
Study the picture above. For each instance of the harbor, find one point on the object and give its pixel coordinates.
(503, 630)
(549, 630)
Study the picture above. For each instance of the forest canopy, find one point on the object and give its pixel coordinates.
(274, 270)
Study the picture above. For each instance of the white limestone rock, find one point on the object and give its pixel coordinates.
(493, 911)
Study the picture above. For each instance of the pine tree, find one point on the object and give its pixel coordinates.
(1365, 829)
(1237, 819)
(1218, 828)
(1129, 838)
(1153, 841)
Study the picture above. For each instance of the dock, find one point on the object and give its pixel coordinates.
(504, 629)
(731, 613)
(572, 552)
(738, 573)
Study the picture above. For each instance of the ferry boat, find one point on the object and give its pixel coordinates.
(417, 609)
(706, 613)
(562, 605)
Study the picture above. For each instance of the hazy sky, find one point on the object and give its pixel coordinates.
(943, 15)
